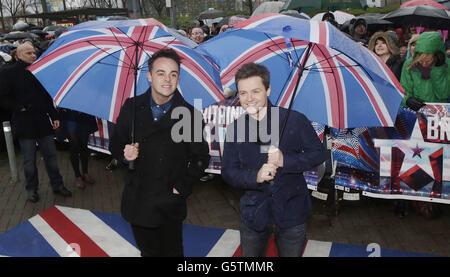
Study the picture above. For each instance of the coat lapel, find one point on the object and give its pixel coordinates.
(145, 116)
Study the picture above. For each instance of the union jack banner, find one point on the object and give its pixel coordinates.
(70, 232)
(91, 68)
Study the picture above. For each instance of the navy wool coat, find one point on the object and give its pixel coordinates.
(284, 201)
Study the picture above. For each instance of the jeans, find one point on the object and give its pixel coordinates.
(48, 151)
(289, 241)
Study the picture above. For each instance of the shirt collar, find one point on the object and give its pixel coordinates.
(166, 106)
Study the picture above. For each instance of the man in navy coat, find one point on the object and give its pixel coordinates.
(269, 167)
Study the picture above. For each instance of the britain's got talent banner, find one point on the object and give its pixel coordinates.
(408, 161)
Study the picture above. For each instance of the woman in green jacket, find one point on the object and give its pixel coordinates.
(426, 76)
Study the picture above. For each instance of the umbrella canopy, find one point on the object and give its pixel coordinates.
(268, 7)
(211, 14)
(423, 16)
(295, 13)
(92, 70)
(373, 21)
(20, 26)
(423, 2)
(445, 3)
(305, 5)
(339, 16)
(15, 35)
(38, 32)
(117, 17)
(229, 20)
(54, 28)
(343, 85)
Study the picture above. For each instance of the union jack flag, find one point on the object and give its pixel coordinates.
(70, 232)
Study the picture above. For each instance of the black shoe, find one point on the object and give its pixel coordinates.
(33, 197)
(63, 191)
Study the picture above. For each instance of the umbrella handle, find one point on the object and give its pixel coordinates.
(131, 165)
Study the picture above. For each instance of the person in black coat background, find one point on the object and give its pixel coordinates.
(34, 119)
(154, 197)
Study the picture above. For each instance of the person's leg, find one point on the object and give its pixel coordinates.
(28, 148)
(48, 151)
(84, 157)
(74, 149)
(254, 243)
(171, 234)
(290, 241)
(147, 240)
(74, 153)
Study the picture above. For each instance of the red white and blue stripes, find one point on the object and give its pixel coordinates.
(91, 69)
(344, 85)
(69, 232)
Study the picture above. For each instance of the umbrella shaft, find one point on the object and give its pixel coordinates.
(300, 73)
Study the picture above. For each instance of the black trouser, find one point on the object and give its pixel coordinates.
(163, 241)
(78, 152)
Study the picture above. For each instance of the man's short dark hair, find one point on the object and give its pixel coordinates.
(164, 53)
(252, 69)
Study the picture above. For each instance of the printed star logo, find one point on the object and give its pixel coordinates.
(417, 151)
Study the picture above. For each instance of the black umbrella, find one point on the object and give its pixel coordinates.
(117, 17)
(424, 16)
(38, 32)
(211, 14)
(374, 21)
(20, 35)
(54, 28)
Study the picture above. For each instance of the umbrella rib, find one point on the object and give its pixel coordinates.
(291, 72)
(109, 54)
(134, 42)
(276, 45)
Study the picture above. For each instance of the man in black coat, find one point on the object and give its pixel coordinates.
(33, 121)
(166, 161)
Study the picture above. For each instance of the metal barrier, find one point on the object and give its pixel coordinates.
(11, 153)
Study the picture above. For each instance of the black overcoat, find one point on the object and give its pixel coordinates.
(20, 89)
(162, 164)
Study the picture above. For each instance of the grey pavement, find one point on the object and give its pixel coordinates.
(216, 204)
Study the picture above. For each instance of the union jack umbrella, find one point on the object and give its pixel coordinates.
(91, 68)
(334, 80)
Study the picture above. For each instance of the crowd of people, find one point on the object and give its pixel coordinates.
(420, 62)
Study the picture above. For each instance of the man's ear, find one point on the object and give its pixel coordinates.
(149, 76)
(268, 92)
